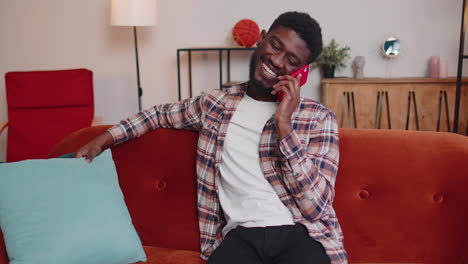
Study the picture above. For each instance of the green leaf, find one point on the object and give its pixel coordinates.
(333, 54)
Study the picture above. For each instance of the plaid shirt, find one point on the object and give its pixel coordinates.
(301, 168)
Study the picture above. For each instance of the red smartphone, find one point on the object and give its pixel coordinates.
(305, 73)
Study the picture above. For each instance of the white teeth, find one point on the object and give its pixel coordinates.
(268, 70)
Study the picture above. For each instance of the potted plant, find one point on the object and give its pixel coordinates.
(332, 57)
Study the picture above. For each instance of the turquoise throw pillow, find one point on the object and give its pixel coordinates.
(66, 211)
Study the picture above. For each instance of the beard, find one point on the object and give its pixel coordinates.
(258, 84)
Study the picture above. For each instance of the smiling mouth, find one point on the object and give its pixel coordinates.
(269, 71)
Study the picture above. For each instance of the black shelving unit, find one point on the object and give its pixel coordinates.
(461, 57)
(220, 50)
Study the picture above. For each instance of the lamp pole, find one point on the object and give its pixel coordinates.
(134, 13)
(140, 90)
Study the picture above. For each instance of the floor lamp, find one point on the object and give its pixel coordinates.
(134, 13)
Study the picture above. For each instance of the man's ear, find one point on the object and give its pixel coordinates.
(262, 36)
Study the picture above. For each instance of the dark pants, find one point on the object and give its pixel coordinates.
(288, 244)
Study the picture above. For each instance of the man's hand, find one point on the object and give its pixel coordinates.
(291, 99)
(95, 147)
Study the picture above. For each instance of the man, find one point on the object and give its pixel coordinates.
(266, 169)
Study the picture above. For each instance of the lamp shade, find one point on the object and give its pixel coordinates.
(133, 12)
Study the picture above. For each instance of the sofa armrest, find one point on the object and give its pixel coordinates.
(75, 140)
(3, 126)
(97, 120)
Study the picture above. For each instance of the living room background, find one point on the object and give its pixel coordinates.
(63, 34)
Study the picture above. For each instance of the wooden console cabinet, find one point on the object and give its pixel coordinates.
(400, 103)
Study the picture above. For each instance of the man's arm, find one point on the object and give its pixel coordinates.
(95, 147)
(314, 167)
(185, 114)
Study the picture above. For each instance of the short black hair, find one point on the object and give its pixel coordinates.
(307, 28)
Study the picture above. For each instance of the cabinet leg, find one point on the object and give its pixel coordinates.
(412, 99)
(416, 110)
(379, 120)
(388, 111)
(447, 111)
(190, 73)
(382, 98)
(343, 102)
(354, 110)
(348, 103)
(178, 76)
(220, 69)
(408, 111)
(377, 107)
(439, 111)
(443, 100)
(350, 120)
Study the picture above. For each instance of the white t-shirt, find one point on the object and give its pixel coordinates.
(246, 197)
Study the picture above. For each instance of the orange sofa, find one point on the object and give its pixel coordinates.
(400, 196)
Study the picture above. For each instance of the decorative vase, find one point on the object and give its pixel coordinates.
(328, 71)
(358, 66)
(434, 67)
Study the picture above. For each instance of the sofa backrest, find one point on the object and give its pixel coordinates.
(400, 196)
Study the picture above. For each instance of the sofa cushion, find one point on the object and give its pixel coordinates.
(157, 176)
(66, 211)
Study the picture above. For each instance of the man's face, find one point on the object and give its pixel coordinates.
(280, 52)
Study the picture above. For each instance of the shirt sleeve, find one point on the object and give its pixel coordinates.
(185, 114)
(313, 166)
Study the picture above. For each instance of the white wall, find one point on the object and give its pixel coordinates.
(59, 34)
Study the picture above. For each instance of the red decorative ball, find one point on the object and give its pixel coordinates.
(246, 33)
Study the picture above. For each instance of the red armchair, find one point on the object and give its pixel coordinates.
(44, 107)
